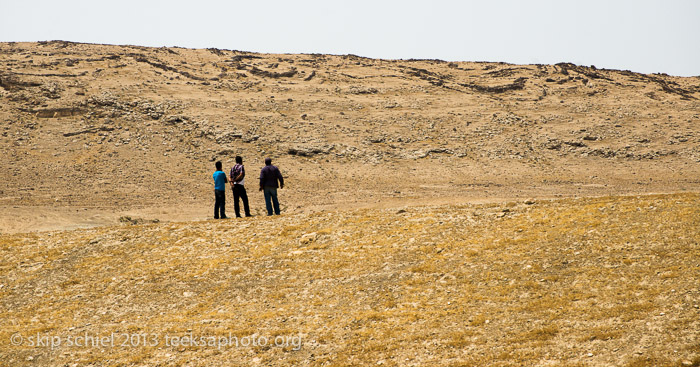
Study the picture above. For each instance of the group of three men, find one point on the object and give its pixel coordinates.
(269, 176)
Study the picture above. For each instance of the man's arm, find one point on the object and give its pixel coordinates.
(279, 177)
(262, 178)
(240, 175)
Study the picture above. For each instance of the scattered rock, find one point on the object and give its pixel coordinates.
(553, 144)
(160, 65)
(362, 90)
(91, 130)
(268, 74)
(134, 221)
(308, 238)
(311, 76)
(58, 112)
(574, 143)
(516, 85)
(309, 151)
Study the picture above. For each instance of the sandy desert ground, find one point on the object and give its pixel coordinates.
(435, 213)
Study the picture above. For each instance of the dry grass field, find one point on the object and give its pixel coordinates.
(434, 214)
(609, 281)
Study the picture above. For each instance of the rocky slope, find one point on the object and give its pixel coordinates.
(107, 129)
(435, 213)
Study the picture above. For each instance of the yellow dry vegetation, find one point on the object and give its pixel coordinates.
(571, 282)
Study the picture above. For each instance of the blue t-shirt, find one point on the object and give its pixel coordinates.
(220, 181)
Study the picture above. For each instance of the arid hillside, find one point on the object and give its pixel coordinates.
(435, 213)
(94, 132)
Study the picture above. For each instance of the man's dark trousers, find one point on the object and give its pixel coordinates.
(220, 204)
(239, 192)
(271, 200)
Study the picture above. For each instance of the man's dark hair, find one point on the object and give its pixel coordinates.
(218, 165)
(239, 160)
(268, 161)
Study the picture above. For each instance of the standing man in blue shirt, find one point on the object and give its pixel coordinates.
(220, 181)
(269, 176)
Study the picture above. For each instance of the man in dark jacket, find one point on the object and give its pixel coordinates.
(269, 176)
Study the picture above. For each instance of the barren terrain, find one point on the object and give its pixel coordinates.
(434, 213)
(609, 281)
(109, 130)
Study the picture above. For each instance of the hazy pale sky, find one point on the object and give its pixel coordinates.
(650, 36)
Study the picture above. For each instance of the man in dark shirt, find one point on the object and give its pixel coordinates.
(269, 176)
(237, 178)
